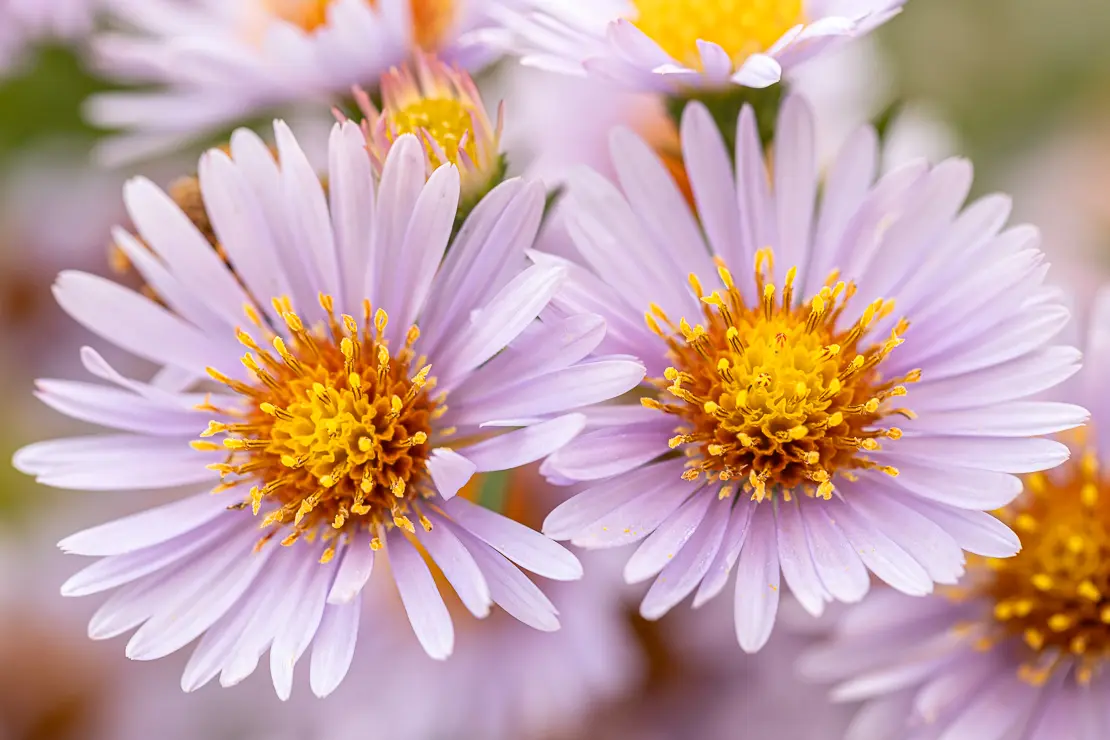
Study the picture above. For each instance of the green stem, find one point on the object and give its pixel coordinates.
(725, 106)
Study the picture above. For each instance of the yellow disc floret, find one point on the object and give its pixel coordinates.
(447, 123)
(442, 107)
(1055, 594)
(775, 395)
(740, 27)
(335, 433)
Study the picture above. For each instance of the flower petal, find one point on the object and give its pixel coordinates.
(509, 588)
(757, 582)
(137, 324)
(423, 603)
(796, 559)
(146, 528)
(499, 322)
(669, 538)
(458, 566)
(353, 571)
(296, 634)
(334, 648)
(717, 576)
(685, 571)
(524, 446)
(450, 471)
(525, 547)
(838, 565)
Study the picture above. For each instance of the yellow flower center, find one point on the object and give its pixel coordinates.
(335, 432)
(441, 107)
(774, 394)
(740, 27)
(1055, 593)
(445, 121)
(431, 19)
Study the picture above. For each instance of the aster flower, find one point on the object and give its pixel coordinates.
(674, 45)
(375, 382)
(26, 22)
(532, 684)
(841, 385)
(220, 63)
(1022, 643)
(443, 108)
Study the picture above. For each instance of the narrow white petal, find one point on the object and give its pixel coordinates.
(757, 583)
(423, 603)
(117, 570)
(509, 588)
(450, 471)
(562, 390)
(499, 322)
(684, 571)
(307, 214)
(669, 538)
(716, 578)
(425, 242)
(296, 634)
(524, 446)
(796, 559)
(334, 648)
(570, 519)
(146, 528)
(458, 566)
(838, 565)
(525, 547)
(189, 256)
(353, 571)
(136, 324)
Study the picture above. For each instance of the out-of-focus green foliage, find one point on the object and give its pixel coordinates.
(1003, 72)
(42, 102)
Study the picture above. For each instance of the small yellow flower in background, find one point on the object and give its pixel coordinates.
(443, 108)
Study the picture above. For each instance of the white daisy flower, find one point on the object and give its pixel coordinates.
(216, 63)
(676, 45)
(376, 382)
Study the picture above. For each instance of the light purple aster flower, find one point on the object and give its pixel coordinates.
(344, 432)
(674, 45)
(842, 385)
(1021, 647)
(218, 63)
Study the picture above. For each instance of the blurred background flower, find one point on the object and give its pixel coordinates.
(1020, 86)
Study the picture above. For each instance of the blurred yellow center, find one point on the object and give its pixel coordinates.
(740, 27)
(431, 19)
(773, 394)
(335, 434)
(444, 122)
(1055, 593)
(308, 14)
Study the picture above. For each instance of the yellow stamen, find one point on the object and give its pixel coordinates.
(335, 430)
(775, 394)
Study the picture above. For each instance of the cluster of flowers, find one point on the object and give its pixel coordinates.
(757, 370)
